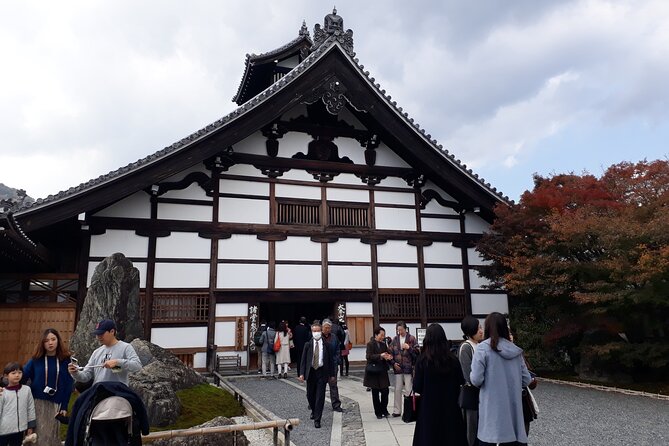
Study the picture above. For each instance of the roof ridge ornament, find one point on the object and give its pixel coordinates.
(333, 25)
(304, 31)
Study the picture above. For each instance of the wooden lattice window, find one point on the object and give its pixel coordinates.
(443, 305)
(298, 212)
(399, 304)
(180, 307)
(347, 215)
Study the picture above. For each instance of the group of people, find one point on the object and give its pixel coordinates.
(34, 397)
(487, 359)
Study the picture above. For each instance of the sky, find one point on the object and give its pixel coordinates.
(512, 88)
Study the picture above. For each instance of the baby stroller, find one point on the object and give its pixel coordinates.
(107, 414)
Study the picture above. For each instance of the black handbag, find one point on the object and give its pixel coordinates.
(411, 406)
(529, 410)
(469, 397)
(374, 368)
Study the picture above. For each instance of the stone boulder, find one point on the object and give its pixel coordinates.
(226, 439)
(157, 382)
(113, 294)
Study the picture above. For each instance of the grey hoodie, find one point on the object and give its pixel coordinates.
(501, 377)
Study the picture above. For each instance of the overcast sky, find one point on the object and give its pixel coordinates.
(511, 87)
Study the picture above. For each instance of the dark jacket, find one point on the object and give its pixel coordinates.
(83, 406)
(267, 339)
(308, 358)
(405, 358)
(335, 350)
(377, 381)
(34, 371)
(301, 335)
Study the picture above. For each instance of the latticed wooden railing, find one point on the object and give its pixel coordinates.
(442, 305)
(404, 304)
(179, 307)
(298, 213)
(399, 304)
(348, 216)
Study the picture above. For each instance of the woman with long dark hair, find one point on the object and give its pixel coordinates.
(438, 379)
(50, 383)
(498, 368)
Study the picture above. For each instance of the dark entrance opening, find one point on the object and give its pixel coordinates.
(291, 312)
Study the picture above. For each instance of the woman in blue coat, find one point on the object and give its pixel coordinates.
(499, 370)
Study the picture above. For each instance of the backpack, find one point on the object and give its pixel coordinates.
(257, 337)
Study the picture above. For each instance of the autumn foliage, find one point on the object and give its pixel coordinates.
(589, 250)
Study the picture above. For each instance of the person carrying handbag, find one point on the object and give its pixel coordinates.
(473, 334)
(376, 372)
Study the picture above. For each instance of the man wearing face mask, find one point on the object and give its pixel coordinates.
(317, 368)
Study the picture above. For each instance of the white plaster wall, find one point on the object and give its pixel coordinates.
(298, 276)
(188, 212)
(347, 178)
(442, 253)
(386, 157)
(137, 205)
(294, 191)
(439, 225)
(443, 278)
(396, 251)
(247, 170)
(232, 310)
(357, 354)
(299, 175)
(349, 276)
(239, 210)
(200, 360)
(443, 193)
(349, 250)
(356, 195)
(113, 240)
(298, 248)
(239, 275)
(244, 187)
(476, 281)
(433, 207)
(393, 277)
(181, 275)
(452, 329)
(359, 309)
(200, 167)
(243, 246)
(254, 144)
(392, 218)
(394, 182)
(487, 303)
(186, 245)
(475, 224)
(141, 267)
(382, 197)
(475, 258)
(292, 143)
(224, 334)
(179, 337)
(192, 192)
(352, 149)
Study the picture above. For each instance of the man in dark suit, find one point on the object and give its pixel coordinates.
(317, 368)
(301, 336)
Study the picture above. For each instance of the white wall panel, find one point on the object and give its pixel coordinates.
(243, 246)
(442, 253)
(443, 278)
(298, 276)
(291, 143)
(181, 275)
(433, 207)
(141, 266)
(352, 149)
(224, 334)
(386, 157)
(440, 191)
(357, 354)
(189, 212)
(475, 224)
(294, 191)
(356, 195)
(452, 329)
(244, 187)
(349, 276)
(396, 251)
(347, 178)
(487, 303)
(179, 337)
(298, 248)
(113, 240)
(192, 192)
(439, 225)
(394, 182)
(349, 250)
(299, 175)
(232, 310)
(239, 275)
(137, 205)
(476, 281)
(238, 210)
(391, 277)
(359, 309)
(186, 245)
(475, 258)
(247, 170)
(254, 144)
(200, 360)
(392, 218)
(381, 197)
(200, 167)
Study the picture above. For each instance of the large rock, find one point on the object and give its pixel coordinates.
(113, 294)
(162, 375)
(226, 439)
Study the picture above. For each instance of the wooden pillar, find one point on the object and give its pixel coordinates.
(422, 297)
(150, 269)
(465, 267)
(213, 273)
(374, 259)
(82, 286)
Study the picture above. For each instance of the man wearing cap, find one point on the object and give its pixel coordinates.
(112, 361)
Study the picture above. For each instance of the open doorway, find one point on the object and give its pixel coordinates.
(292, 311)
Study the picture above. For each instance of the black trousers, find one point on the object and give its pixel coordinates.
(12, 439)
(344, 362)
(380, 401)
(316, 383)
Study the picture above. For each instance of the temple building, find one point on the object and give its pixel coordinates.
(317, 196)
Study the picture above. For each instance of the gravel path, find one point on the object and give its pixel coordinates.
(576, 416)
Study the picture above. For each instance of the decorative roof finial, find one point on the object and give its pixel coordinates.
(333, 25)
(304, 31)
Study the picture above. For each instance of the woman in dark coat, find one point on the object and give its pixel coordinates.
(378, 354)
(438, 380)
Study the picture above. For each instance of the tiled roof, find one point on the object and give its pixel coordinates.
(251, 104)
